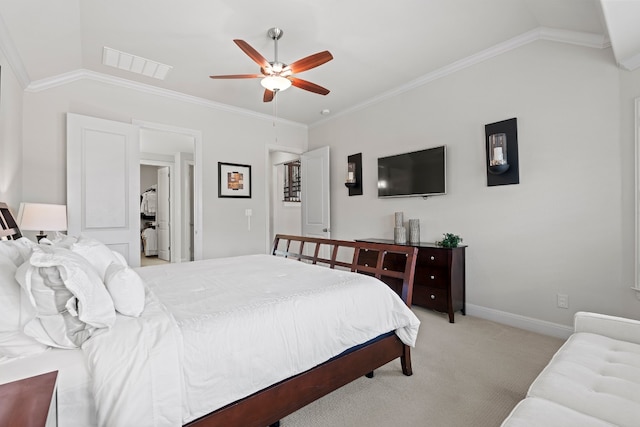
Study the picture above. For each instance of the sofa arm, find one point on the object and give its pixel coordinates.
(619, 328)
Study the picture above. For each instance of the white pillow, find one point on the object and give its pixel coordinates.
(13, 341)
(63, 240)
(68, 298)
(17, 250)
(120, 258)
(9, 250)
(96, 252)
(126, 289)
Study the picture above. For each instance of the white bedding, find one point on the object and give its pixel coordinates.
(75, 401)
(218, 330)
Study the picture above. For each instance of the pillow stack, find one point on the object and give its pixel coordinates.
(61, 292)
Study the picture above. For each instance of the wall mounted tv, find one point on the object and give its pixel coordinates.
(419, 173)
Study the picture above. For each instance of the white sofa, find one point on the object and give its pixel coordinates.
(592, 381)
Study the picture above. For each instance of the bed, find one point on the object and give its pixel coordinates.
(193, 355)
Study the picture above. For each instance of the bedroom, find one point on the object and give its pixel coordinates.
(568, 227)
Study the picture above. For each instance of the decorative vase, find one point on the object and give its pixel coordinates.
(414, 230)
(400, 235)
(399, 219)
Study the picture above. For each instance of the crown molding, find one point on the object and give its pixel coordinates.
(13, 57)
(83, 74)
(632, 63)
(541, 33)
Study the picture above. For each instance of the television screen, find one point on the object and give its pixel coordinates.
(419, 173)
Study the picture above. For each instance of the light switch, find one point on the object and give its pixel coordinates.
(248, 212)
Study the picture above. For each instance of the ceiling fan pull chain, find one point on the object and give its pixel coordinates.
(275, 115)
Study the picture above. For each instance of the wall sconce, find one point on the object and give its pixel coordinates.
(498, 153)
(354, 174)
(42, 217)
(502, 152)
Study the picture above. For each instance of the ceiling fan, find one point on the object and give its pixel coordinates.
(277, 76)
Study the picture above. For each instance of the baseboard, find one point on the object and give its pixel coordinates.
(522, 322)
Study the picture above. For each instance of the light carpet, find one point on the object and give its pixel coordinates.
(469, 373)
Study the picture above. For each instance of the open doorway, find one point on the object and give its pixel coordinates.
(167, 166)
(155, 213)
(284, 212)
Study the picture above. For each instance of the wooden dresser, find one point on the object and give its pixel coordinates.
(439, 282)
(30, 402)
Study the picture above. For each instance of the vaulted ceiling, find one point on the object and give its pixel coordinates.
(379, 47)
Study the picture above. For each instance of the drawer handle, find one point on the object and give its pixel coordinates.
(432, 258)
(366, 265)
(433, 277)
(433, 296)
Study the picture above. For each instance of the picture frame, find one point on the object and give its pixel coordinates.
(234, 180)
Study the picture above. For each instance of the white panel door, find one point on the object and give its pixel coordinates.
(103, 182)
(163, 214)
(314, 169)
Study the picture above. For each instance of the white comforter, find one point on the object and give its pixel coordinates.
(218, 330)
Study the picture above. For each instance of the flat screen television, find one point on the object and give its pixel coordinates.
(419, 173)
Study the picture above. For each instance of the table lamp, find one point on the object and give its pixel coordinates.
(42, 217)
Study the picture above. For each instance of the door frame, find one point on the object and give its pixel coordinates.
(269, 187)
(197, 181)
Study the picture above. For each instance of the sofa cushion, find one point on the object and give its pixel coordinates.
(594, 375)
(536, 412)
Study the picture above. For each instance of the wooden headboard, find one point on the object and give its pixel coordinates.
(392, 264)
(8, 226)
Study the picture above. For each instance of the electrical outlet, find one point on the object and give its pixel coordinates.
(563, 301)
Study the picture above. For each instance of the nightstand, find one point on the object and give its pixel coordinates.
(29, 402)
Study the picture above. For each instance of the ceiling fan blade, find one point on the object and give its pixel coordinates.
(253, 54)
(238, 76)
(310, 61)
(268, 95)
(311, 87)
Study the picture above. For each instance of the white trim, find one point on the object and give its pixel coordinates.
(517, 321)
(80, 74)
(541, 33)
(596, 41)
(631, 63)
(197, 171)
(636, 285)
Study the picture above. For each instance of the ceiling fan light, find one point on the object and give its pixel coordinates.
(275, 83)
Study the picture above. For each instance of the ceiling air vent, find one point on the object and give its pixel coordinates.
(135, 64)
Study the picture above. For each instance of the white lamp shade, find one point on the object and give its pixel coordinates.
(274, 83)
(42, 217)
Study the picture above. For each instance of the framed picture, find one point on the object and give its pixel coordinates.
(234, 180)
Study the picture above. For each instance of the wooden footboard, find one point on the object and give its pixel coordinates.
(392, 264)
(268, 406)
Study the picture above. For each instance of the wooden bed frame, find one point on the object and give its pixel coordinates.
(8, 227)
(268, 406)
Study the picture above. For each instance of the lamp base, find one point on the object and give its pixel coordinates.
(40, 236)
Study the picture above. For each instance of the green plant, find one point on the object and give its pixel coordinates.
(449, 241)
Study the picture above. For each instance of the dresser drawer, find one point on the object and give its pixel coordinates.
(428, 257)
(432, 298)
(432, 277)
(392, 261)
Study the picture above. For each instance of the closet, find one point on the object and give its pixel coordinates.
(148, 210)
(154, 212)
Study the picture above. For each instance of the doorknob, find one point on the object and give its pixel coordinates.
(325, 230)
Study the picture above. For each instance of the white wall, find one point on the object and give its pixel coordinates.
(566, 228)
(227, 137)
(10, 137)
